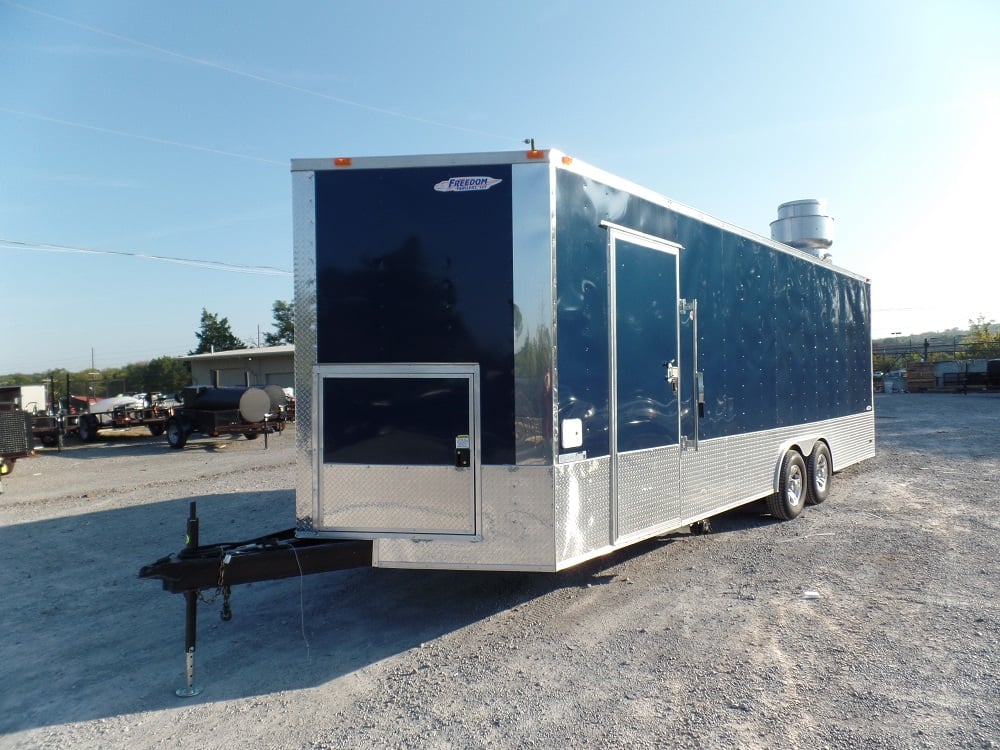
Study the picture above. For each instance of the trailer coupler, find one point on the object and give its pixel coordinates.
(224, 565)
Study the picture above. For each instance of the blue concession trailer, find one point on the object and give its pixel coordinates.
(518, 361)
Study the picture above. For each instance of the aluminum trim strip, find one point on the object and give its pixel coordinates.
(304, 258)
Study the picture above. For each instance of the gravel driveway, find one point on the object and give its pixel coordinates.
(871, 621)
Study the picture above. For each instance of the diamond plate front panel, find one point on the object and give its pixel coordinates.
(396, 500)
(648, 489)
(518, 531)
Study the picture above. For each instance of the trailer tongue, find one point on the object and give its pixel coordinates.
(223, 565)
(266, 558)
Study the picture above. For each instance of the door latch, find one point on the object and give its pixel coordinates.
(699, 390)
(673, 375)
(463, 452)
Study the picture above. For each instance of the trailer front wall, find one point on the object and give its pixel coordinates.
(409, 274)
(396, 276)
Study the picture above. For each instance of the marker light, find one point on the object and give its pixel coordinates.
(567, 160)
(342, 161)
(535, 154)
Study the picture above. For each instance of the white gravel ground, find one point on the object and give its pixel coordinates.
(686, 641)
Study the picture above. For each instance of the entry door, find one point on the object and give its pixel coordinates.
(397, 451)
(645, 425)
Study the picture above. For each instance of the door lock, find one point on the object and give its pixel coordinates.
(673, 375)
(463, 452)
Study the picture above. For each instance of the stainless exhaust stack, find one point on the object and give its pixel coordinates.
(805, 225)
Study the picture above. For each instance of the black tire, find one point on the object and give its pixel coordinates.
(702, 527)
(820, 474)
(251, 435)
(87, 428)
(793, 488)
(176, 434)
(49, 441)
(156, 429)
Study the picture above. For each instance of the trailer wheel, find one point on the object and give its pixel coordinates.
(87, 428)
(251, 435)
(793, 488)
(49, 441)
(703, 526)
(820, 474)
(176, 436)
(156, 429)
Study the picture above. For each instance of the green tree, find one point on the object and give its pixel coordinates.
(883, 363)
(284, 324)
(130, 378)
(983, 339)
(166, 375)
(215, 335)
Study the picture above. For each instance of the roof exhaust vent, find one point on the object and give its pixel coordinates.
(805, 225)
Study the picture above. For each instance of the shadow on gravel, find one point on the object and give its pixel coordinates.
(142, 445)
(750, 516)
(84, 638)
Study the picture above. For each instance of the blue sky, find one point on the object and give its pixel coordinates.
(167, 129)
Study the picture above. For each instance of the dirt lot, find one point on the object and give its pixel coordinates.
(685, 641)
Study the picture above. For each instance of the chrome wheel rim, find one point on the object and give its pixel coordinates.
(793, 486)
(822, 472)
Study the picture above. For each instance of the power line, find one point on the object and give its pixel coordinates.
(260, 79)
(152, 139)
(209, 264)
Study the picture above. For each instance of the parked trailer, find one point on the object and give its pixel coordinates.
(46, 427)
(16, 439)
(121, 413)
(49, 429)
(247, 411)
(516, 361)
(522, 362)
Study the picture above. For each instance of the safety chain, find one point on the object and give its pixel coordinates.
(226, 613)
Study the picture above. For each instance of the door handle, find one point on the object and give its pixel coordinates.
(673, 375)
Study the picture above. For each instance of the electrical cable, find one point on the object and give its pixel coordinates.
(215, 265)
(259, 78)
(302, 596)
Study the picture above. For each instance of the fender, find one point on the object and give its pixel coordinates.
(805, 445)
